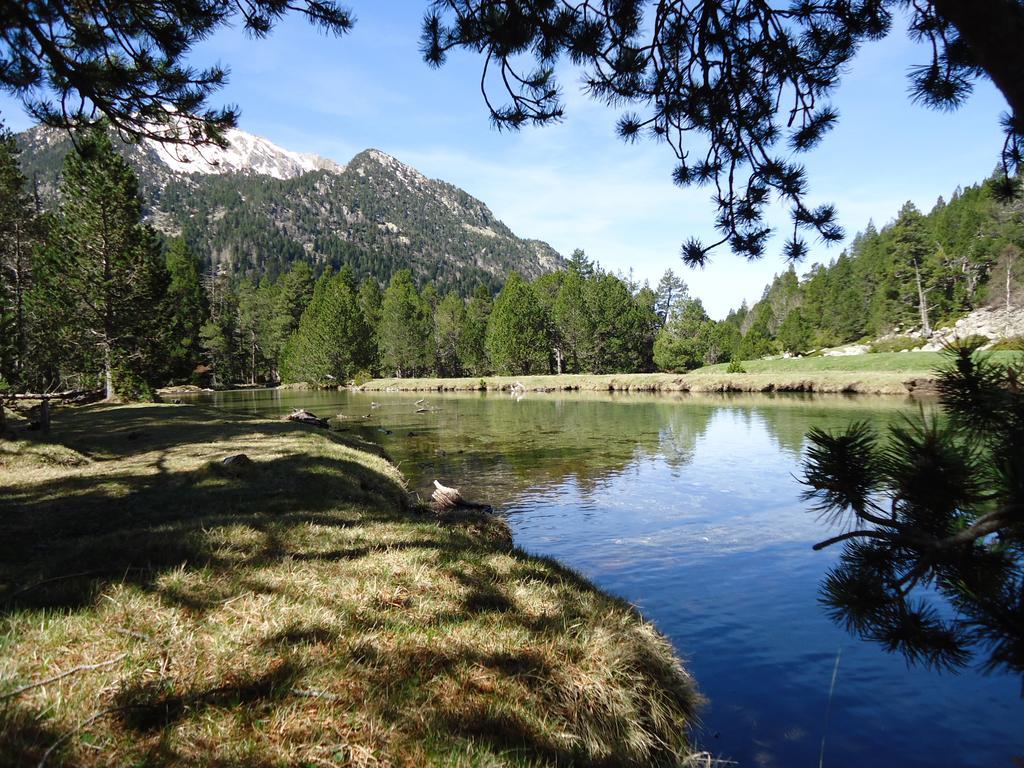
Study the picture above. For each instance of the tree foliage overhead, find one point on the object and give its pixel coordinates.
(127, 60)
(937, 511)
(733, 88)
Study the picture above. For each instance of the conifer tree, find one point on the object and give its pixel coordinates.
(20, 231)
(794, 335)
(616, 327)
(219, 336)
(930, 521)
(684, 341)
(105, 266)
(573, 321)
(296, 290)
(449, 325)
(405, 328)
(913, 267)
(472, 347)
(516, 332)
(332, 335)
(671, 290)
(186, 307)
(371, 300)
(706, 80)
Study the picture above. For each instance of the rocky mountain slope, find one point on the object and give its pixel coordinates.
(253, 208)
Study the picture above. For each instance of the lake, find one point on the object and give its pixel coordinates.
(688, 506)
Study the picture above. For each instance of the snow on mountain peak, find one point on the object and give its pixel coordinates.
(245, 153)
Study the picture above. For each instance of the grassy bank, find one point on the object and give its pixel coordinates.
(875, 374)
(294, 610)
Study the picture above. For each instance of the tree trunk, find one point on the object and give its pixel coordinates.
(922, 304)
(108, 373)
(994, 31)
(1009, 271)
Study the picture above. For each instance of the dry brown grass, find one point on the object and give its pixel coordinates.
(296, 611)
(831, 382)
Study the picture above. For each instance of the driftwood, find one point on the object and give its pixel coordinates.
(305, 417)
(444, 498)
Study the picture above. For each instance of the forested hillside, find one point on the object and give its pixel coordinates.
(376, 214)
(917, 273)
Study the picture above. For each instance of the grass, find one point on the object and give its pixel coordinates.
(296, 610)
(877, 374)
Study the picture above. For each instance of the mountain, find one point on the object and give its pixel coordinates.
(252, 208)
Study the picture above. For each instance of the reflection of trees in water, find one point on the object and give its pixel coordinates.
(504, 447)
(682, 426)
(497, 447)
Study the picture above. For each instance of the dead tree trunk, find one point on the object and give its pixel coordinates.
(1008, 273)
(926, 326)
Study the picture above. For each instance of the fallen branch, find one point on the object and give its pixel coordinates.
(55, 678)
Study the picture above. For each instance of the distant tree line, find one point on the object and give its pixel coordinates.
(92, 296)
(918, 273)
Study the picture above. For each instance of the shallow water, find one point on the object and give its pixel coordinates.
(688, 507)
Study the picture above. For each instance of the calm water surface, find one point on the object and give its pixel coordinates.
(688, 507)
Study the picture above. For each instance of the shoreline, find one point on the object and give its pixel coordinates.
(222, 567)
(920, 384)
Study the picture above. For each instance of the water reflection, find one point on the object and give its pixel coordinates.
(688, 506)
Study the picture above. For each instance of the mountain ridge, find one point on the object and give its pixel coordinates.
(253, 208)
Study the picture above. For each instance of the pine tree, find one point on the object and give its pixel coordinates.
(684, 341)
(670, 291)
(794, 335)
(219, 336)
(111, 272)
(572, 320)
(473, 348)
(332, 334)
(449, 325)
(517, 342)
(931, 515)
(20, 232)
(617, 327)
(371, 300)
(296, 290)
(405, 328)
(185, 307)
(911, 252)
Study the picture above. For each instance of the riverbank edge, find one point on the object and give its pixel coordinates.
(830, 382)
(639, 714)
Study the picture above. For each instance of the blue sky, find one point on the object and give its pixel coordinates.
(575, 184)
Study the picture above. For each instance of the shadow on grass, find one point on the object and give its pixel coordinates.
(66, 535)
(407, 650)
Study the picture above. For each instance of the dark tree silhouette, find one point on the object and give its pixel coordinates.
(126, 60)
(933, 546)
(733, 87)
